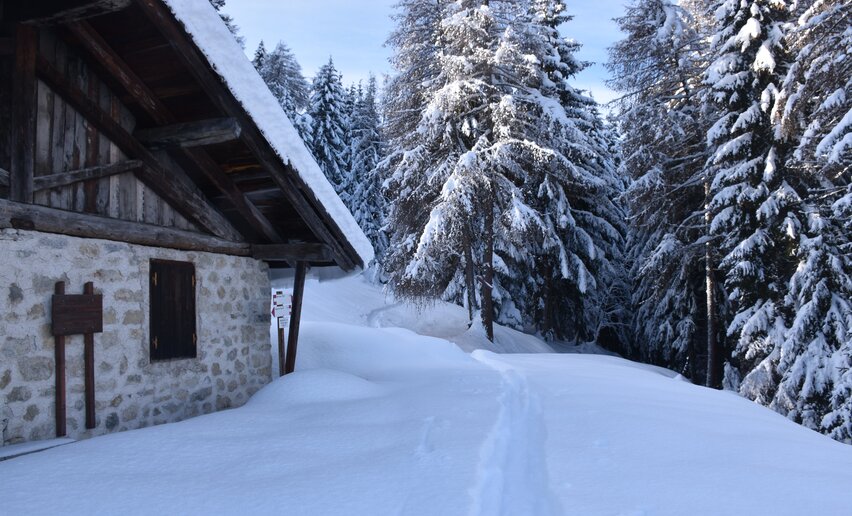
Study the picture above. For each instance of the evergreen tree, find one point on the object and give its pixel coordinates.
(658, 67)
(283, 74)
(229, 21)
(472, 220)
(813, 364)
(582, 275)
(415, 41)
(259, 56)
(368, 204)
(818, 88)
(328, 130)
(755, 201)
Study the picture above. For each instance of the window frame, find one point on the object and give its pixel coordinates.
(172, 311)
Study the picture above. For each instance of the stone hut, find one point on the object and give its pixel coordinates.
(140, 152)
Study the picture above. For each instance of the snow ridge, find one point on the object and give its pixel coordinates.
(512, 476)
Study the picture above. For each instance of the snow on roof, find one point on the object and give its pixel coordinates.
(225, 56)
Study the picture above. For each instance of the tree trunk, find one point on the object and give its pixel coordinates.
(469, 279)
(547, 324)
(488, 269)
(714, 353)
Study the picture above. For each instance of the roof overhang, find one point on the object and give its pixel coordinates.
(199, 103)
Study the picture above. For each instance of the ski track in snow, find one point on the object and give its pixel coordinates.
(512, 477)
(374, 317)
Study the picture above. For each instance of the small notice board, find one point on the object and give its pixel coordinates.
(282, 307)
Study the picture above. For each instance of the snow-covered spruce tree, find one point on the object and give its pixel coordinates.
(406, 94)
(351, 95)
(229, 21)
(368, 203)
(415, 41)
(578, 259)
(259, 55)
(450, 247)
(328, 130)
(470, 210)
(815, 360)
(658, 68)
(818, 88)
(813, 365)
(283, 74)
(755, 201)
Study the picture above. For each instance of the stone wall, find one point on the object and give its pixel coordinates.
(232, 311)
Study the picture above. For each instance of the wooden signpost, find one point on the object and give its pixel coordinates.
(287, 309)
(282, 305)
(75, 315)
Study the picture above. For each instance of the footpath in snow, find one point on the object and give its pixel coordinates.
(386, 416)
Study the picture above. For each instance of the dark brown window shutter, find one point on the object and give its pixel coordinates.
(172, 319)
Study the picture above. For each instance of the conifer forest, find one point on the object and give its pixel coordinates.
(701, 222)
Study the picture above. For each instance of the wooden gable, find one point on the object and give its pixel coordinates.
(133, 133)
(69, 147)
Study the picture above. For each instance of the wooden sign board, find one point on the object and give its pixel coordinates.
(77, 314)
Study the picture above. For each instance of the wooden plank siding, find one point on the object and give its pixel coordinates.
(66, 141)
(6, 64)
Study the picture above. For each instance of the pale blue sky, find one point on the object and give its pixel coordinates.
(354, 32)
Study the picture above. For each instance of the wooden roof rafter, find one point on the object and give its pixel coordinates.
(292, 186)
(171, 185)
(47, 12)
(101, 51)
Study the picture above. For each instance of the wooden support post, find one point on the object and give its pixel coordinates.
(24, 86)
(59, 373)
(89, 358)
(296, 316)
(281, 356)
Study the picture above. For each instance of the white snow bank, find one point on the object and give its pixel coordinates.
(625, 440)
(396, 432)
(319, 385)
(385, 422)
(225, 56)
(355, 300)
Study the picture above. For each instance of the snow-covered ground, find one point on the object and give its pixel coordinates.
(355, 301)
(386, 420)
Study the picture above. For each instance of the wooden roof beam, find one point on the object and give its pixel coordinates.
(75, 176)
(59, 11)
(299, 252)
(296, 192)
(190, 134)
(51, 220)
(101, 52)
(171, 185)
